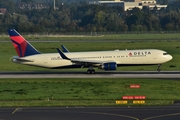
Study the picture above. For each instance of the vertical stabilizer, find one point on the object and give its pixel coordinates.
(22, 46)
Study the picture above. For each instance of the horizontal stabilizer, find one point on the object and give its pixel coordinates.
(17, 59)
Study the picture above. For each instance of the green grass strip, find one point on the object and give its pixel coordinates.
(85, 92)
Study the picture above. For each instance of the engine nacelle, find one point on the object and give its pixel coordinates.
(109, 66)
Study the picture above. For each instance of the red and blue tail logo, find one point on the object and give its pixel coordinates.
(23, 47)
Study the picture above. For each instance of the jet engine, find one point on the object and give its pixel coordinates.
(109, 66)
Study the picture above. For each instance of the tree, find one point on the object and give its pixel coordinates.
(99, 19)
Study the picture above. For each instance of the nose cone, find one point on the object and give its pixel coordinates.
(169, 57)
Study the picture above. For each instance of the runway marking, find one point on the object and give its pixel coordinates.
(15, 110)
(162, 116)
(113, 115)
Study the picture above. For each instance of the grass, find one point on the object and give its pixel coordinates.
(86, 92)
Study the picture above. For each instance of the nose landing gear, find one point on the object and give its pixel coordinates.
(159, 68)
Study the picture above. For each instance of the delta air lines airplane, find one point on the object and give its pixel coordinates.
(106, 60)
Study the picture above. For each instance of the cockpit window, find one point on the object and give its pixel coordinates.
(165, 53)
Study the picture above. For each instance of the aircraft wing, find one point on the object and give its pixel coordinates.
(81, 61)
(89, 61)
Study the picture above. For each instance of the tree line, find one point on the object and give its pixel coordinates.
(83, 17)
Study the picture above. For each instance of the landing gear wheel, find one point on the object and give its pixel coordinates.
(93, 71)
(90, 71)
(159, 68)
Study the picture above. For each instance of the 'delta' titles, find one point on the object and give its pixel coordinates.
(135, 54)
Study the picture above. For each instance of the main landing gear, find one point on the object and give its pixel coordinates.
(159, 68)
(90, 70)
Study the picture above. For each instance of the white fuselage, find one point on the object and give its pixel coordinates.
(121, 57)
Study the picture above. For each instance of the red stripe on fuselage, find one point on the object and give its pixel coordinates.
(23, 44)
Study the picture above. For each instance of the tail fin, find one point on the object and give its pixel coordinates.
(23, 47)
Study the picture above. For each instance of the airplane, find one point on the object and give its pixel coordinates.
(105, 60)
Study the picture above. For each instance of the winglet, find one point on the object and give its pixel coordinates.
(64, 49)
(62, 54)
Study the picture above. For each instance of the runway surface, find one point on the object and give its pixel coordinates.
(116, 74)
(91, 113)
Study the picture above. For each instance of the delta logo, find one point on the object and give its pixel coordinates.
(134, 54)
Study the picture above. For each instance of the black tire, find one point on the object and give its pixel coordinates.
(88, 71)
(92, 71)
